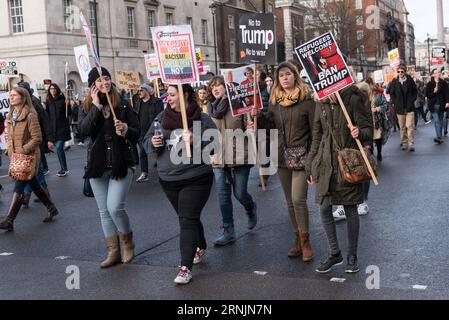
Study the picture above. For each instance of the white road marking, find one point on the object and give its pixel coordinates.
(419, 287)
(6, 254)
(62, 258)
(405, 275)
(260, 273)
(341, 280)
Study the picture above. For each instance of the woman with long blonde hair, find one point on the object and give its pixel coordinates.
(24, 137)
(291, 111)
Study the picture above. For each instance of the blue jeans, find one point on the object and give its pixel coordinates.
(236, 180)
(40, 178)
(110, 195)
(446, 114)
(438, 120)
(143, 158)
(19, 186)
(44, 161)
(61, 154)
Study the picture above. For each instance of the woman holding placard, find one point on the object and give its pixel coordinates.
(186, 184)
(111, 161)
(291, 111)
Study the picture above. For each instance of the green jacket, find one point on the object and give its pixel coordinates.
(322, 162)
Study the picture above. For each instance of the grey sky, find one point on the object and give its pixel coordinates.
(423, 17)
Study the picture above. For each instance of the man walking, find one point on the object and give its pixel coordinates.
(403, 93)
(148, 106)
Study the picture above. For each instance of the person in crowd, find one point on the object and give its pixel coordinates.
(59, 125)
(230, 175)
(402, 90)
(24, 137)
(44, 123)
(437, 93)
(265, 92)
(201, 98)
(147, 107)
(420, 103)
(111, 162)
(330, 133)
(292, 111)
(186, 185)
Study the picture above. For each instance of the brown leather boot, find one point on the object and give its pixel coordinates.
(14, 208)
(127, 244)
(296, 250)
(44, 197)
(113, 258)
(307, 254)
(26, 200)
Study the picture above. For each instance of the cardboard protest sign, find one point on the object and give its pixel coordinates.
(175, 50)
(9, 68)
(394, 58)
(240, 89)
(379, 76)
(151, 66)
(199, 60)
(257, 38)
(82, 62)
(326, 69)
(438, 56)
(389, 74)
(127, 80)
(359, 77)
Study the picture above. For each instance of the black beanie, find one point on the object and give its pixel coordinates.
(94, 75)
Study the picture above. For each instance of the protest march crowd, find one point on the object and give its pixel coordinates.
(327, 135)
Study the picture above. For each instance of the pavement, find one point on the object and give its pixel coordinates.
(403, 252)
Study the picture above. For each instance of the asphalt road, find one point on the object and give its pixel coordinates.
(404, 238)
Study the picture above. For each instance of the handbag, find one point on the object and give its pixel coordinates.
(22, 167)
(352, 167)
(87, 188)
(294, 157)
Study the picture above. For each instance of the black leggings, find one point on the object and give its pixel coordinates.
(188, 198)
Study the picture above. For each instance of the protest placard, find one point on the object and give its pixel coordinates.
(151, 66)
(389, 73)
(394, 58)
(240, 89)
(82, 62)
(127, 80)
(199, 60)
(257, 38)
(175, 50)
(379, 76)
(438, 56)
(9, 68)
(325, 66)
(4, 109)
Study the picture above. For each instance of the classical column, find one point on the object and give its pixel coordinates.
(440, 23)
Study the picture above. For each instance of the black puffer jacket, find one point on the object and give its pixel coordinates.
(59, 122)
(440, 98)
(403, 95)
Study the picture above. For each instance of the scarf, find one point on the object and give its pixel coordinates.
(172, 120)
(287, 100)
(218, 108)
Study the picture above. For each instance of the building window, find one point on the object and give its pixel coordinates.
(131, 30)
(232, 51)
(16, 15)
(92, 14)
(270, 8)
(360, 20)
(169, 18)
(204, 36)
(358, 4)
(360, 35)
(68, 15)
(151, 20)
(231, 22)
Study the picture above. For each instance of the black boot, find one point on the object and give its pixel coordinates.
(379, 149)
(44, 197)
(16, 203)
(26, 199)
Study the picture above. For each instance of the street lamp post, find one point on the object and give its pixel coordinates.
(213, 8)
(96, 27)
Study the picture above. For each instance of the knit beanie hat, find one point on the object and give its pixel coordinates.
(94, 75)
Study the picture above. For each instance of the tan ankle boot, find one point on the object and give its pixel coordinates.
(113, 245)
(127, 244)
(296, 250)
(307, 254)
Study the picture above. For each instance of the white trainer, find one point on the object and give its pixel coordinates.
(339, 213)
(363, 209)
(184, 276)
(199, 254)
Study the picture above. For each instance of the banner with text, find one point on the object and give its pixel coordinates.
(127, 80)
(9, 68)
(438, 56)
(379, 76)
(240, 89)
(326, 69)
(256, 38)
(4, 109)
(175, 50)
(394, 58)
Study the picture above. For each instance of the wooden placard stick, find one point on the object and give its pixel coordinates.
(359, 144)
(184, 117)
